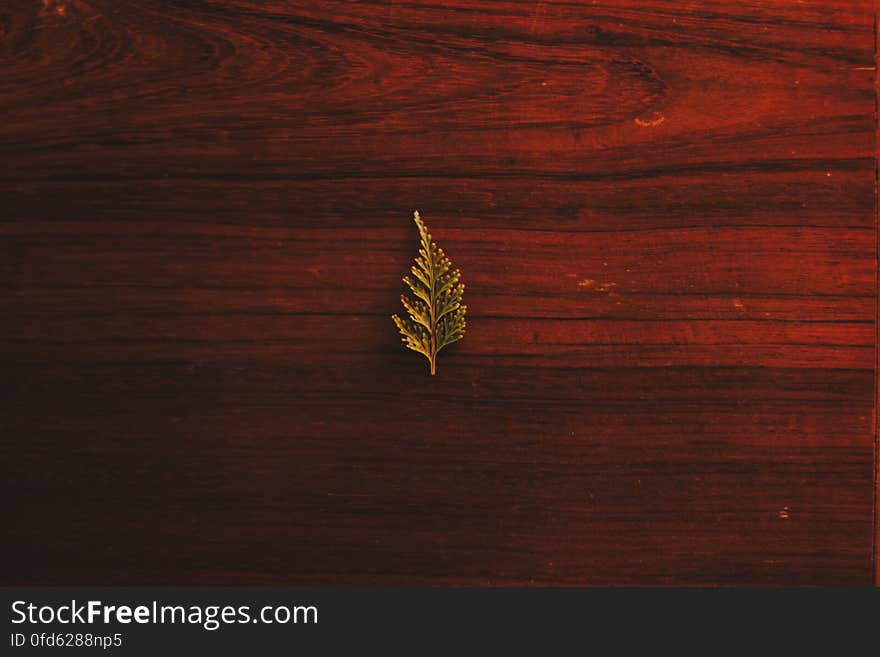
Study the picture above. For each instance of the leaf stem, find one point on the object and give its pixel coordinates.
(432, 274)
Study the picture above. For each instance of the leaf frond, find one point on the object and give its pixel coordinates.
(435, 314)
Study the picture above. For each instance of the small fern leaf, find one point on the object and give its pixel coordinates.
(435, 314)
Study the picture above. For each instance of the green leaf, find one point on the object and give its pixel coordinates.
(436, 316)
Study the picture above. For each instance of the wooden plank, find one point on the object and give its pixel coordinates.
(665, 215)
(877, 323)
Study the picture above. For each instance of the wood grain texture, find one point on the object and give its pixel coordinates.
(665, 213)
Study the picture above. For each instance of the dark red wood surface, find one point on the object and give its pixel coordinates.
(665, 216)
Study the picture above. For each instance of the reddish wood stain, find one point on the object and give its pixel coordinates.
(664, 213)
